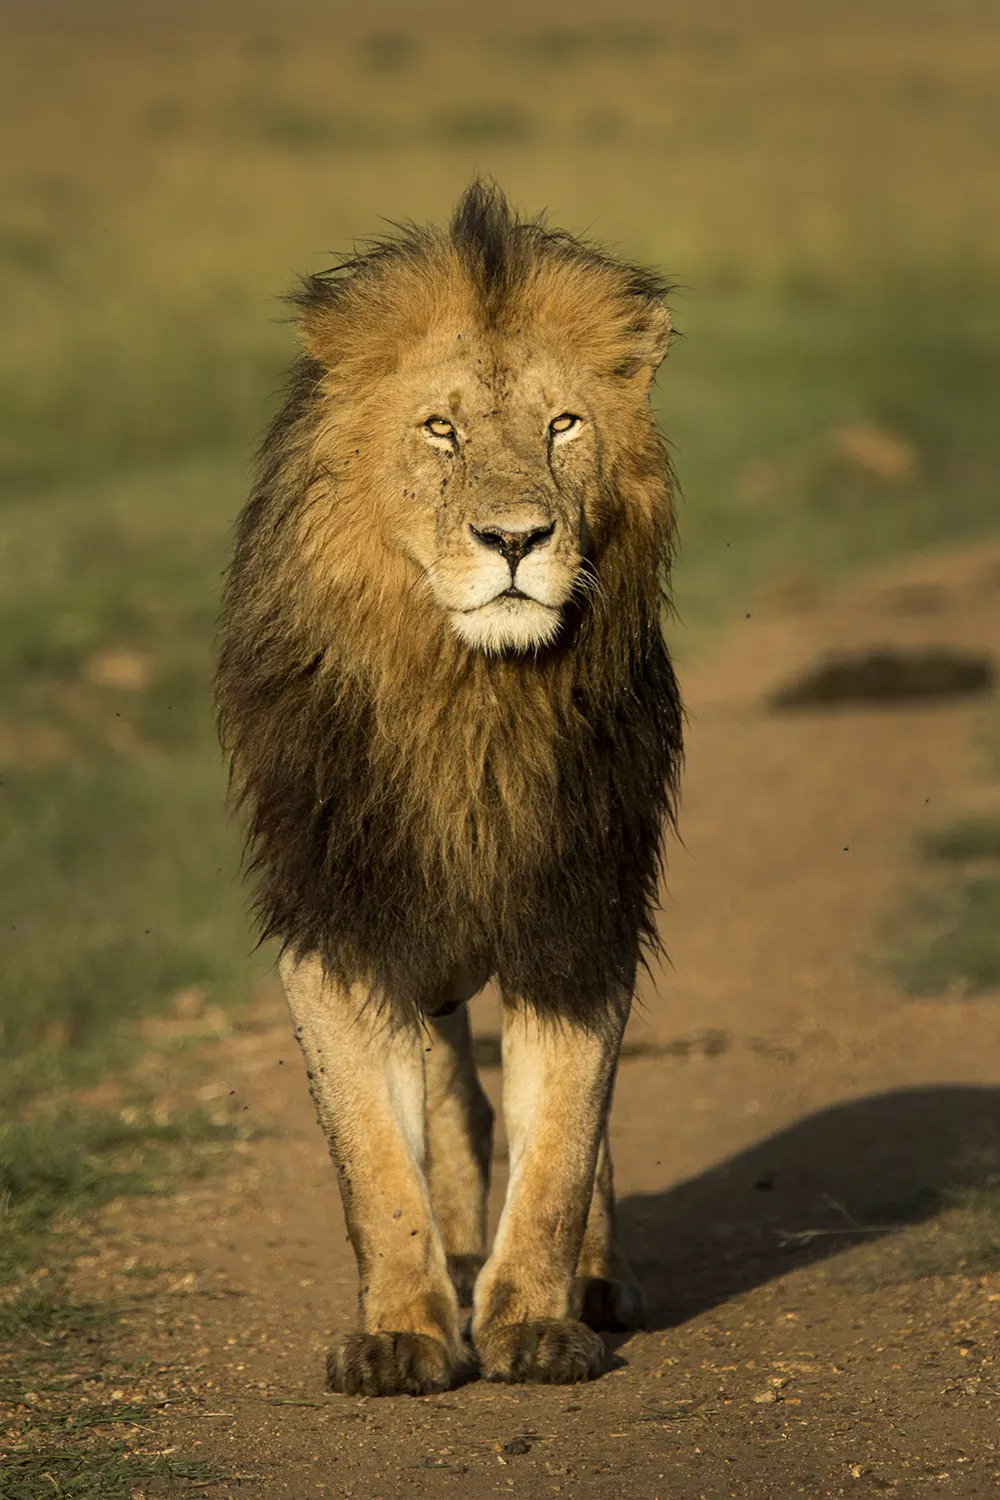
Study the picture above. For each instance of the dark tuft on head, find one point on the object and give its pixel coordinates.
(489, 238)
(498, 251)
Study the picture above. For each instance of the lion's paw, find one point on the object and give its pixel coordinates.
(611, 1306)
(389, 1364)
(555, 1351)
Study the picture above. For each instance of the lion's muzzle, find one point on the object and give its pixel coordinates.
(513, 542)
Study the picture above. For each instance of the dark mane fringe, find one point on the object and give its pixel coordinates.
(442, 807)
(496, 247)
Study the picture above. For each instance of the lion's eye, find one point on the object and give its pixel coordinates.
(559, 426)
(439, 427)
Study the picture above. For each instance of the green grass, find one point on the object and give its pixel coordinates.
(111, 1473)
(965, 1239)
(388, 51)
(81, 1417)
(567, 46)
(946, 938)
(481, 124)
(118, 873)
(960, 1237)
(952, 943)
(69, 1390)
(118, 866)
(967, 839)
(756, 398)
(61, 1163)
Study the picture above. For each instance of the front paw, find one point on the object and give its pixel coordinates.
(554, 1351)
(389, 1364)
(609, 1305)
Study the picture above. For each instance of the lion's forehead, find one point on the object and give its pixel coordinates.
(480, 378)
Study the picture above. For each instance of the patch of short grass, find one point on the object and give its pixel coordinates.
(79, 1417)
(44, 1312)
(947, 937)
(967, 839)
(962, 1237)
(809, 437)
(965, 1238)
(273, 121)
(100, 1473)
(67, 1389)
(565, 46)
(60, 1163)
(481, 124)
(119, 883)
(388, 51)
(953, 946)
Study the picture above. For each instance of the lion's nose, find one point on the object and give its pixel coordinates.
(513, 544)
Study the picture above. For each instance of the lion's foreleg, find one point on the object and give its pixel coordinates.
(459, 1144)
(557, 1087)
(607, 1292)
(367, 1079)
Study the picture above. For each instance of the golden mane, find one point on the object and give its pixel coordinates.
(415, 804)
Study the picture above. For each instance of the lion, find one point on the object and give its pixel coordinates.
(454, 726)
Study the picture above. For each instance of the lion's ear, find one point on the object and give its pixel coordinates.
(649, 333)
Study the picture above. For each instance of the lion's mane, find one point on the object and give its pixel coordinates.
(414, 805)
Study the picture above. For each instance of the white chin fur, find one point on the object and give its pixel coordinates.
(507, 625)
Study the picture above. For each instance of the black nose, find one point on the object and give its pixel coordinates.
(512, 544)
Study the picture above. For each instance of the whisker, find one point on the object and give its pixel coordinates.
(587, 585)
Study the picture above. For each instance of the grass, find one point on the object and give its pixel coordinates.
(953, 932)
(960, 1236)
(80, 1412)
(765, 398)
(966, 839)
(68, 1387)
(61, 1163)
(946, 940)
(964, 1239)
(118, 868)
(115, 1474)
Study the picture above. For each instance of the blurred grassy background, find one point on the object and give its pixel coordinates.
(820, 178)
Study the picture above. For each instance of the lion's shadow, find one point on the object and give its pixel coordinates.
(877, 1163)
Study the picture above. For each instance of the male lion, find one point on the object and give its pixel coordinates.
(454, 724)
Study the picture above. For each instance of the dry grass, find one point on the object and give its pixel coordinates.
(158, 191)
(834, 145)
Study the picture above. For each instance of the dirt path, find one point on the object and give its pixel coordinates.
(777, 1083)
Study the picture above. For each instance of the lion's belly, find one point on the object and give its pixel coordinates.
(461, 985)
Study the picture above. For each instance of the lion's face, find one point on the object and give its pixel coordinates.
(498, 483)
(478, 426)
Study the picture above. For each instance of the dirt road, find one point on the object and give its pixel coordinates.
(781, 1103)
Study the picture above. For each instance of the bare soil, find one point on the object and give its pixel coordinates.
(781, 1110)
